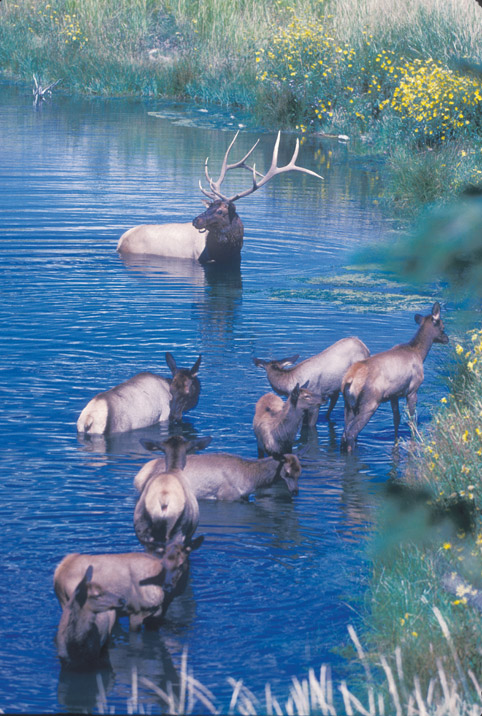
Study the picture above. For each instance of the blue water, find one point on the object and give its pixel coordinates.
(277, 580)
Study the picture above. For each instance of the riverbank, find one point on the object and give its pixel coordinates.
(386, 76)
(428, 548)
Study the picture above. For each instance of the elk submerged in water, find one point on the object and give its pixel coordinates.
(223, 229)
(390, 375)
(143, 400)
(87, 619)
(167, 509)
(223, 476)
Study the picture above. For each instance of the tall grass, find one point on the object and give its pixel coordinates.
(386, 690)
(382, 72)
(207, 48)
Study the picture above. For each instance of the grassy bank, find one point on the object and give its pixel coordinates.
(383, 73)
(429, 552)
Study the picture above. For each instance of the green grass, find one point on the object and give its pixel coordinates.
(382, 72)
(428, 549)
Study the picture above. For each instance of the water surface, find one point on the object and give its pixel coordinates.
(277, 580)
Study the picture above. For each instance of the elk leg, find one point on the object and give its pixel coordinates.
(353, 429)
(396, 415)
(135, 621)
(349, 415)
(311, 416)
(333, 399)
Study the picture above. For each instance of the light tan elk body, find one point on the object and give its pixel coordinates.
(144, 399)
(322, 373)
(391, 375)
(222, 476)
(146, 583)
(216, 234)
(276, 422)
(86, 621)
(167, 509)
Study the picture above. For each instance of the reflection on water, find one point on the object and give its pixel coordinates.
(272, 589)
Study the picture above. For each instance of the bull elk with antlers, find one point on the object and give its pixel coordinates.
(223, 228)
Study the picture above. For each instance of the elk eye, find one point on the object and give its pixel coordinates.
(219, 211)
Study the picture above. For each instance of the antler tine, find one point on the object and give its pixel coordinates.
(274, 170)
(265, 178)
(241, 164)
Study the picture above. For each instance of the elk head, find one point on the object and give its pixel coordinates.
(225, 229)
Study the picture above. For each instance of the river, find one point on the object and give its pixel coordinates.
(277, 580)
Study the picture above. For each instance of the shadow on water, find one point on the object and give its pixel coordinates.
(144, 653)
(216, 308)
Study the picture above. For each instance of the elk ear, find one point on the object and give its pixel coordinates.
(305, 384)
(206, 203)
(171, 362)
(260, 362)
(80, 594)
(418, 318)
(288, 361)
(295, 394)
(195, 543)
(436, 311)
(157, 579)
(194, 370)
(231, 212)
(199, 443)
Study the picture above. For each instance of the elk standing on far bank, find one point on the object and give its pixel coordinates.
(391, 375)
(222, 225)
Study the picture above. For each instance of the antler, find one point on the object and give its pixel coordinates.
(272, 171)
(215, 185)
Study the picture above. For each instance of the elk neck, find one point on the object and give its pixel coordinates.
(422, 341)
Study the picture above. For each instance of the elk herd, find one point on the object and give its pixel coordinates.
(95, 589)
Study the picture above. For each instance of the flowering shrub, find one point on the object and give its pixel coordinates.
(437, 100)
(305, 57)
(47, 21)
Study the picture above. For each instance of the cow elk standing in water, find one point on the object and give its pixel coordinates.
(322, 373)
(146, 583)
(223, 227)
(276, 422)
(81, 635)
(167, 509)
(143, 400)
(391, 375)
